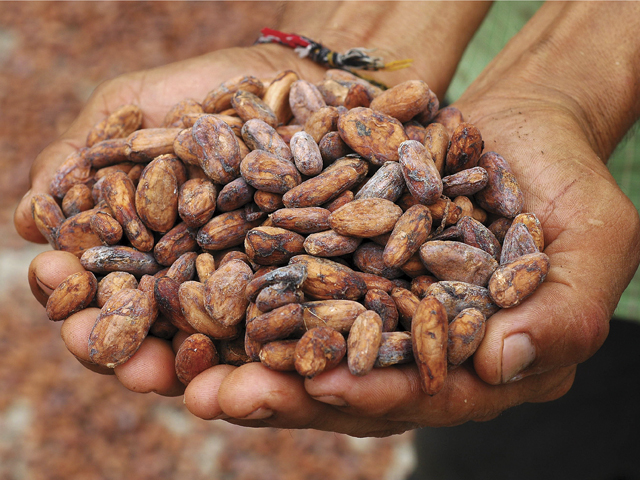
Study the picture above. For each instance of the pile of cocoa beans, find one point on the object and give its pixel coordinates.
(294, 224)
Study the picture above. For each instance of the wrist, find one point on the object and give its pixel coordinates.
(433, 34)
(581, 56)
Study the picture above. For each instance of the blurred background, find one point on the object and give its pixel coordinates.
(60, 421)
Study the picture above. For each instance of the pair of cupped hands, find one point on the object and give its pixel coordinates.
(529, 353)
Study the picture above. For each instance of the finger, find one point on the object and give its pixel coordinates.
(151, 369)
(394, 393)
(201, 395)
(75, 333)
(279, 399)
(48, 269)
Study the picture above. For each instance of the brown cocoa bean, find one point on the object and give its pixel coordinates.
(277, 324)
(302, 220)
(513, 282)
(373, 135)
(121, 327)
(249, 106)
(420, 173)
(456, 296)
(73, 294)
(387, 183)
(409, 233)
(191, 295)
(403, 101)
(448, 260)
(225, 298)
(119, 124)
(270, 173)
(196, 354)
(319, 350)
(381, 302)
(395, 348)
(219, 99)
(217, 149)
(47, 216)
(466, 331)
(276, 95)
(502, 195)
(327, 279)
(465, 148)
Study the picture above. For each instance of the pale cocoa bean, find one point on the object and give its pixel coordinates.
(191, 295)
(330, 244)
(465, 182)
(517, 242)
(304, 99)
(387, 183)
(367, 217)
(279, 355)
(436, 141)
(321, 122)
(119, 258)
(112, 283)
(429, 337)
(259, 135)
(534, 226)
(276, 95)
(306, 154)
(363, 342)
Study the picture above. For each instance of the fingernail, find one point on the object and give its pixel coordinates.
(517, 354)
(259, 414)
(222, 416)
(332, 400)
(45, 289)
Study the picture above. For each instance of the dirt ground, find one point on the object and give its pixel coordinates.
(58, 420)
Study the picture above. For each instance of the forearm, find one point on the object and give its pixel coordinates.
(433, 34)
(586, 56)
